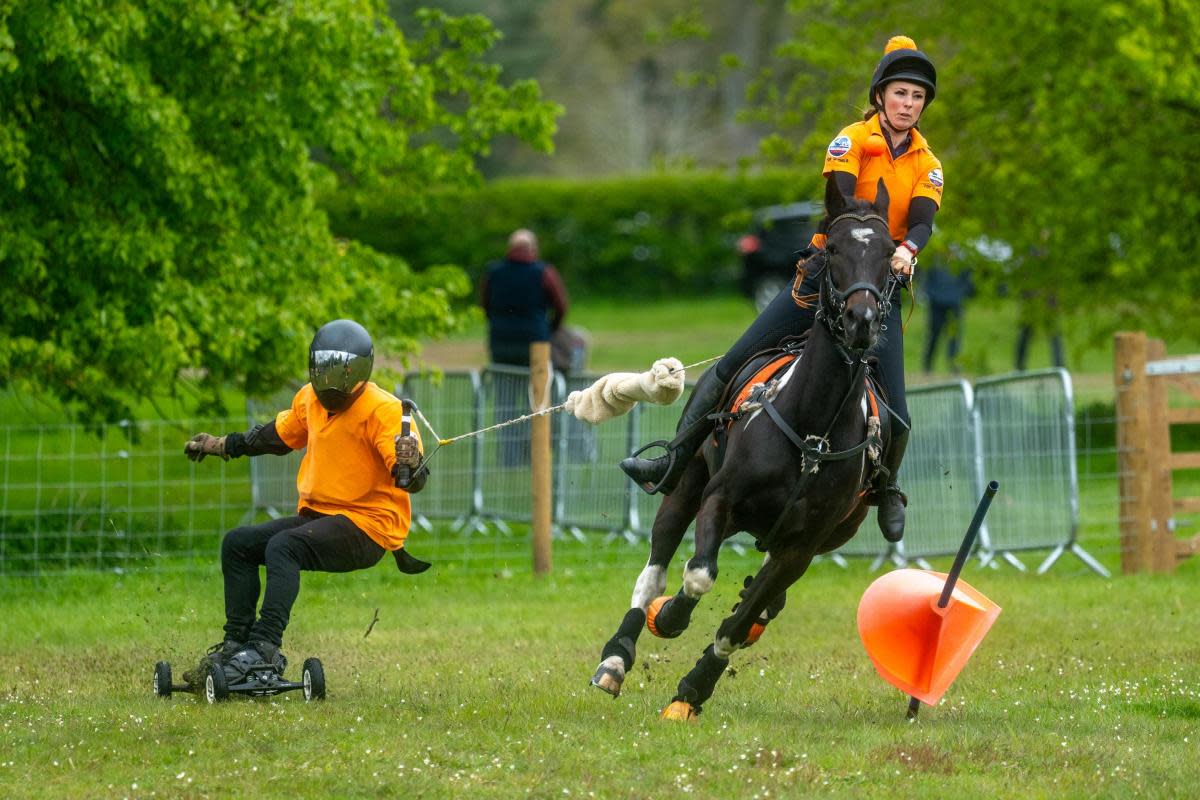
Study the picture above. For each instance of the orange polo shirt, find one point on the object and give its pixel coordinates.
(347, 467)
(916, 173)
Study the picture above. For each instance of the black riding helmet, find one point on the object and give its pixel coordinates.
(339, 363)
(902, 61)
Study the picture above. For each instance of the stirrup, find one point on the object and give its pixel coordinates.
(671, 454)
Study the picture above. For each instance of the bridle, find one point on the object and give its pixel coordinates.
(831, 305)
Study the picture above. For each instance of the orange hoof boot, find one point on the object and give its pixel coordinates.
(652, 612)
(756, 630)
(680, 711)
(669, 616)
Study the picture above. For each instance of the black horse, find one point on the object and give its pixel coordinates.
(792, 473)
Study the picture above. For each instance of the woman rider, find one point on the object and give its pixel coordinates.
(887, 145)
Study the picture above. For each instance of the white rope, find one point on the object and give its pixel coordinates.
(610, 396)
(500, 425)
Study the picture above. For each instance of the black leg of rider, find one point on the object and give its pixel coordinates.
(781, 318)
(890, 352)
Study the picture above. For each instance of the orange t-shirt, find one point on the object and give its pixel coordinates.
(916, 173)
(347, 467)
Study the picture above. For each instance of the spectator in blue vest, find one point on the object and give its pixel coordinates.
(524, 299)
(525, 302)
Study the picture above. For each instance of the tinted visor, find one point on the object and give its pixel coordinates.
(337, 376)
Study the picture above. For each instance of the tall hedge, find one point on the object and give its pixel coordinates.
(652, 235)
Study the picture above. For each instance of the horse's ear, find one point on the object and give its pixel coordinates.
(835, 202)
(881, 199)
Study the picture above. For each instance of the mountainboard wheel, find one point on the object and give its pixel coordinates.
(216, 689)
(314, 680)
(162, 679)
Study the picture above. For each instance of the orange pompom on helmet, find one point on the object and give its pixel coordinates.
(902, 61)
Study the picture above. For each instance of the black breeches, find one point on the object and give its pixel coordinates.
(782, 318)
(285, 546)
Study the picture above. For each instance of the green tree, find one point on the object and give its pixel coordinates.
(1066, 129)
(159, 165)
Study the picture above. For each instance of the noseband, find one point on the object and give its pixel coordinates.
(832, 304)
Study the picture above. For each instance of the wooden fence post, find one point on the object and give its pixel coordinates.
(1158, 465)
(1129, 382)
(540, 466)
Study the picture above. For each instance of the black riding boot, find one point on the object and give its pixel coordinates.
(891, 500)
(662, 474)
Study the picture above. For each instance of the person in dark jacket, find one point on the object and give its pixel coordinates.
(524, 299)
(525, 302)
(945, 292)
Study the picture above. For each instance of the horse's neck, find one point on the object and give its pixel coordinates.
(821, 382)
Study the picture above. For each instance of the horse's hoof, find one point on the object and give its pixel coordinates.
(756, 630)
(652, 611)
(610, 675)
(680, 711)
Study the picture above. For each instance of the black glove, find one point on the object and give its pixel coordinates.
(205, 444)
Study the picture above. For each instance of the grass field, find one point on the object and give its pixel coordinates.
(476, 685)
(474, 680)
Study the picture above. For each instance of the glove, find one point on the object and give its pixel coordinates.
(904, 259)
(408, 451)
(204, 444)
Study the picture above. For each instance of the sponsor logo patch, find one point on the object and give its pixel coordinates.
(839, 146)
(935, 177)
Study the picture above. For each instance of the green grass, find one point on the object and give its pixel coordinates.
(474, 680)
(476, 685)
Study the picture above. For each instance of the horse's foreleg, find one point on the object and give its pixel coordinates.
(619, 653)
(768, 586)
(773, 610)
(669, 616)
(762, 599)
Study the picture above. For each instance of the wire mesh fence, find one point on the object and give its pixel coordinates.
(112, 497)
(119, 496)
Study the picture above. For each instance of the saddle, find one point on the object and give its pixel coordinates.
(759, 375)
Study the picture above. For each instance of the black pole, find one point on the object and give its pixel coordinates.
(914, 705)
(968, 543)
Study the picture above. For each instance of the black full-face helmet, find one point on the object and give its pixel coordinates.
(339, 363)
(902, 61)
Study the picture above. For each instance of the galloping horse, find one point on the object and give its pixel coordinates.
(792, 474)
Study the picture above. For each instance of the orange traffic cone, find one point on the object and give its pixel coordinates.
(915, 645)
(920, 628)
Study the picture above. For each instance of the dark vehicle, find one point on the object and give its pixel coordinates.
(769, 253)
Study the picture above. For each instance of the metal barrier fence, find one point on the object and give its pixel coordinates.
(590, 493)
(942, 471)
(1026, 427)
(106, 499)
(457, 494)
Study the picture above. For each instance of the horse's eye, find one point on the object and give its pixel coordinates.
(831, 250)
